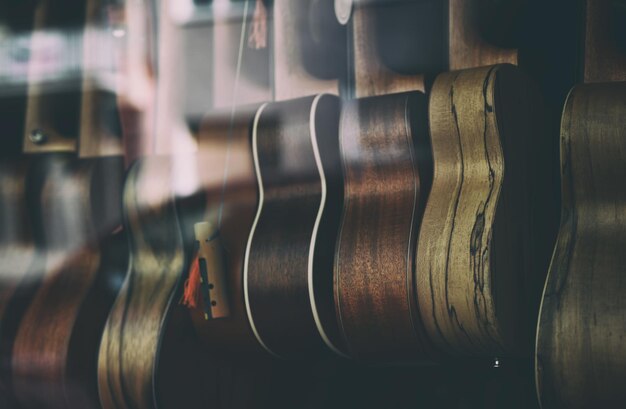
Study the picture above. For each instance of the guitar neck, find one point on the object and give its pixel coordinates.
(383, 61)
(308, 48)
(468, 47)
(605, 48)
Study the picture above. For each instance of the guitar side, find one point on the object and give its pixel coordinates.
(388, 171)
(474, 250)
(581, 335)
(129, 350)
(288, 288)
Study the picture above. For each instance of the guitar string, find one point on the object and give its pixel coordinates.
(242, 33)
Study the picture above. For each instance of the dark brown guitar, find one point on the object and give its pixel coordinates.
(289, 255)
(388, 171)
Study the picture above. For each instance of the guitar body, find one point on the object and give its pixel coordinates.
(128, 354)
(289, 255)
(474, 250)
(388, 172)
(581, 333)
(53, 357)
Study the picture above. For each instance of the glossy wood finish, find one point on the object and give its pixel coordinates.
(388, 172)
(289, 255)
(53, 359)
(581, 348)
(129, 351)
(475, 255)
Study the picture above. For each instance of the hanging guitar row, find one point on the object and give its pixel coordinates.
(263, 191)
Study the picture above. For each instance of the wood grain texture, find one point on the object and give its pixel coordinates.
(476, 261)
(371, 76)
(604, 60)
(308, 48)
(388, 172)
(53, 360)
(467, 47)
(289, 256)
(581, 336)
(129, 351)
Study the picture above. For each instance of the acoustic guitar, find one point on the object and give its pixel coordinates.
(149, 356)
(580, 338)
(231, 182)
(387, 166)
(489, 218)
(580, 348)
(473, 248)
(386, 159)
(289, 255)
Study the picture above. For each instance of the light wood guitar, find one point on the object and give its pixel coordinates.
(148, 340)
(474, 246)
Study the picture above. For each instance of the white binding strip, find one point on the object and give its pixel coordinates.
(257, 170)
(320, 212)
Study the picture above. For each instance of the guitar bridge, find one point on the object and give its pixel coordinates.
(212, 274)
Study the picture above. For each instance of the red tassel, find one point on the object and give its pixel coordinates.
(192, 285)
(257, 38)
